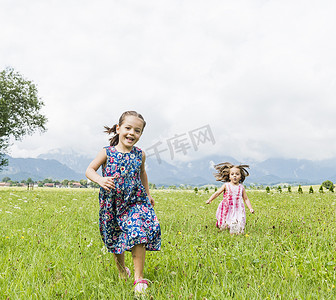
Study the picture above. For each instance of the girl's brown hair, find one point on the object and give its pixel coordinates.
(114, 140)
(223, 171)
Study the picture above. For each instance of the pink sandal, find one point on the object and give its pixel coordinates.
(140, 286)
(128, 272)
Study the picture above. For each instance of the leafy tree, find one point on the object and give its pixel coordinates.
(206, 190)
(65, 182)
(300, 191)
(83, 182)
(30, 183)
(19, 109)
(327, 184)
(268, 189)
(311, 191)
(152, 186)
(196, 190)
(279, 189)
(6, 179)
(289, 189)
(321, 189)
(331, 189)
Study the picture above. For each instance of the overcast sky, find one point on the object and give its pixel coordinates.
(261, 75)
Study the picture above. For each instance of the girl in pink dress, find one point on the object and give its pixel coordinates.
(231, 210)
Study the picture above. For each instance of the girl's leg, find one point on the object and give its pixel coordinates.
(139, 254)
(120, 261)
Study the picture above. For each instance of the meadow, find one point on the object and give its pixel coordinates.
(51, 248)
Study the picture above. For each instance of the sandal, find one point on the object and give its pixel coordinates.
(128, 273)
(140, 286)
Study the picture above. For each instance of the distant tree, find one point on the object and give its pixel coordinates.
(47, 180)
(65, 182)
(6, 179)
(321, 189)
(83, 182)
(30, 183)
(279, 189)
(206, 190)
(327, 184)
(268, 189)
(331, 189)
(300, 191)
(216, 188)
(152, 186)
(19, 110)
(196, 190)
(289, 189)
(311, 191)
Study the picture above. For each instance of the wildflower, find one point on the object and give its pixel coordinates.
(7, 237)
(90, 244)
(22, 237)
(246, 235)
(179, 232)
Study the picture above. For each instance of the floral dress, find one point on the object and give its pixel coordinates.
(126, 216)
(231, 211)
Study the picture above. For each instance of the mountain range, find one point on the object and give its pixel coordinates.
(59, 164)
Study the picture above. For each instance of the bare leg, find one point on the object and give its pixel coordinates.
(138, 254)
(120, 261)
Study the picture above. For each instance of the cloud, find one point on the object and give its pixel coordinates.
(260, 73)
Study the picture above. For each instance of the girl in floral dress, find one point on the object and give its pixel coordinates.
(231, 210)
(127, 220)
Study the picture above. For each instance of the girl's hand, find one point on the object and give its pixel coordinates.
(107, 183)
(151, 200)
(208, 201)
(251, 210)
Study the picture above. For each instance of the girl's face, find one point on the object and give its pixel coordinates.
(129, 132)
(235, 175)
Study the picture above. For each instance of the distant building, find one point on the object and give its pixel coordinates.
(76, 185)
(48, 185)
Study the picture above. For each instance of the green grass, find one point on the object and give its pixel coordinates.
(50, 248)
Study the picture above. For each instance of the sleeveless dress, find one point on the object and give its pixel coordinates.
(126, 216)
(231, 210)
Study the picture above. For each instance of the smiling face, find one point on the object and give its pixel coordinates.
(129, 132)
(235, 175)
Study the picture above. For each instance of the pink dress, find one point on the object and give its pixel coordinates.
(231, 211)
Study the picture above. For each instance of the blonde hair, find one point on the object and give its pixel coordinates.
(114, 140)
(223, 171)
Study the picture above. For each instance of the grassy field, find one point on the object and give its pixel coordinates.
(51, 249)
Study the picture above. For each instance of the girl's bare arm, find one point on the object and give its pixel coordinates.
(107, 183)
(247, 201)
(216, 194)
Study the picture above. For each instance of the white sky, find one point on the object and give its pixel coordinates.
(261, 74)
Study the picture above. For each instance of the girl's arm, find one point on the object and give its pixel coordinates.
(107, 183)
(247, 202)
(216, 194)
(144, 178)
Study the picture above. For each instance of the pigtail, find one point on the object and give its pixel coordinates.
(223, 171)
(243, 171)
(114, 140)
